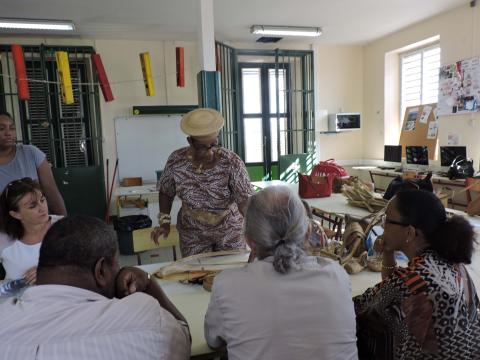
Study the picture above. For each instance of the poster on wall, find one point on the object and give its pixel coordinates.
(459, 87)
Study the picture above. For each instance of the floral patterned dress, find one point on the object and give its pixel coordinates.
(428, 310)
(219, 190)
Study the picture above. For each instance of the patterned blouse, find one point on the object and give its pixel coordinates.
(429, 310)
(218, 191)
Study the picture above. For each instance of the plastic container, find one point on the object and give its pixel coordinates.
(124, 226)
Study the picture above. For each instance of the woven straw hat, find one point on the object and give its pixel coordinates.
(202, 123)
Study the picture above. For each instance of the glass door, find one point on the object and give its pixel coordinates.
(264, 114)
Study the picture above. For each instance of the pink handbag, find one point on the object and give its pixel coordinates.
(330, 167)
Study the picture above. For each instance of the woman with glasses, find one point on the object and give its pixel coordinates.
(429, 309)
(213, 185)
(24, 221)
(18, 160)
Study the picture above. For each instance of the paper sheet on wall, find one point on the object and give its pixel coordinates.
(453, 139)
(432, 130)
(411, 122)
(425, 114)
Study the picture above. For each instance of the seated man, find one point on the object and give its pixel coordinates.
(84, 307)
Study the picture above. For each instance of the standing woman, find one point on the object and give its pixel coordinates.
(24, 221)
(18, 161)
(430, 309)
(211, 182)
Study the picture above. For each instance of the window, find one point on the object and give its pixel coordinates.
(419, 77)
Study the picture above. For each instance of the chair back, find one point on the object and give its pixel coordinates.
(142, 241)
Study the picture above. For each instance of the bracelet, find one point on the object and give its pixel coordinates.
(162, 216)
(389, 267)
(164, 222)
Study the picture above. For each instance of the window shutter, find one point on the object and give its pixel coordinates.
(419, 77)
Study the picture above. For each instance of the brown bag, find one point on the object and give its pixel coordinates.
(315, 186)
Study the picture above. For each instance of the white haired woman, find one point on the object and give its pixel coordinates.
(284, 305)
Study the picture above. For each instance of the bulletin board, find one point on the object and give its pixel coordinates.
(420, 128)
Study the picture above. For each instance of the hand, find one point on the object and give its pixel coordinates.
(160, 230)
(379, 245)
(31, 276)
(131, 280)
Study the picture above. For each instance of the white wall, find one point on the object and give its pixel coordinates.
(339, 88)
(459, 32)
(121, 61)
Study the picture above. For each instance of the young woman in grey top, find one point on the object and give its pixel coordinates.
(19, 161)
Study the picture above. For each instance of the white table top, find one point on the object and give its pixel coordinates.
(136, 190)
(335, 203)
(192, 301)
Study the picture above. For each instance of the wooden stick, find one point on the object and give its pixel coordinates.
(110, 192)
(107, 184)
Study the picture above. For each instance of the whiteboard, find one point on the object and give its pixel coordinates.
(144, 144)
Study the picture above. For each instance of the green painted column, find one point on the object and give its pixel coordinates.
(209, 91)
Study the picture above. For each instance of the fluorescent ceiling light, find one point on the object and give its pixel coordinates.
(36, 25)
(285, 30)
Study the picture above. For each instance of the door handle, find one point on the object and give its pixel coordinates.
(83, 146)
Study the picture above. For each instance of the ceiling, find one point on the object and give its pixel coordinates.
(343, 21)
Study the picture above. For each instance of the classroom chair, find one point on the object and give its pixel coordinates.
(331, 223)
(474, 184)
(142, 242)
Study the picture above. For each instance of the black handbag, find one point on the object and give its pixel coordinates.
(399, 184)
(461, 168)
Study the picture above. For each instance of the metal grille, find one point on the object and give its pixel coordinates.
(70, 135)
(74, 144)
(285, 85)
(37, 110)
(40, 135)
(227, 66)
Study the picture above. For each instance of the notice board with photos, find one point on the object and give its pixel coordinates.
(420, 128)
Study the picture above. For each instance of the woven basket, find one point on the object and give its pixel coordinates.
(208, 281)
(374, 263)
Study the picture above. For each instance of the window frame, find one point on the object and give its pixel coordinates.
(402, 55)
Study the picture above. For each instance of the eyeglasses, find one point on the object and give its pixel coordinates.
(203, 147)
(14, 182)
(385, 221)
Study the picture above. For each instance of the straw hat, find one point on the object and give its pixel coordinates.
(202, 123)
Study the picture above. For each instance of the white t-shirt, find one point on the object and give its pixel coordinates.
(17, 257)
